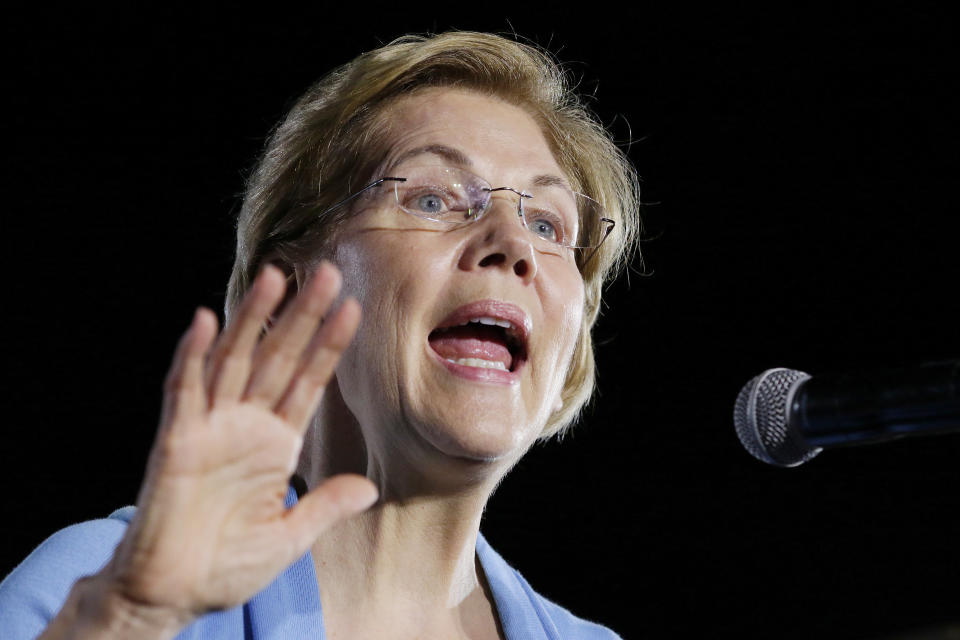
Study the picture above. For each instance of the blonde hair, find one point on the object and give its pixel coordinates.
(334, 137)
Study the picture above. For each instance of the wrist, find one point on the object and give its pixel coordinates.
(97, 608)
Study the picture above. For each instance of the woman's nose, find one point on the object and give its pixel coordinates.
(500, 240)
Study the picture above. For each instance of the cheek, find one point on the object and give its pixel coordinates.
(359, 371)
(568, 309)
(383, 278)
(564, 308)
(567, 342)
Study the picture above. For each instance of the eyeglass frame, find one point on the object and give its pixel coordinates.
(376, 183)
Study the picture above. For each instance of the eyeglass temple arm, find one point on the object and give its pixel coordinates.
(610, 225)
(375, 183)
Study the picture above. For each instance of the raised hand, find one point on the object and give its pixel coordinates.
(211, 529)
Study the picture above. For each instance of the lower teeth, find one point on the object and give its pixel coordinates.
(477, 362)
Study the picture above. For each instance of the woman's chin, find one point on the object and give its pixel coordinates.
(478, 441)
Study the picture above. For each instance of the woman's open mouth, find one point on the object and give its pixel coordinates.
(489, 337)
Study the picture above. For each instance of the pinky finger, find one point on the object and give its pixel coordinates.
(183, 390)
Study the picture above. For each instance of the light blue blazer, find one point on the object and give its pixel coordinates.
(287, 609)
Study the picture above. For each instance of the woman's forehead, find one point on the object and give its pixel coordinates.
(468, 130)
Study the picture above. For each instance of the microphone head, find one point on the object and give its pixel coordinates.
(761, 417)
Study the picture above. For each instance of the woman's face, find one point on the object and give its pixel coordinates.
(416, 374)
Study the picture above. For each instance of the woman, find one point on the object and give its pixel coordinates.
(455, 191)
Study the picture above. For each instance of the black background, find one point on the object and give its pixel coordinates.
(801, 169)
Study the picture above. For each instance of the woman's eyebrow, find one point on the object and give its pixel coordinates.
(550, 180)
(454, 156)
(459, 158)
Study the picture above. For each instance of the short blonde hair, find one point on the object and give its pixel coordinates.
(333, 138)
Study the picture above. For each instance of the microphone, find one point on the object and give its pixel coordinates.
(785, 417)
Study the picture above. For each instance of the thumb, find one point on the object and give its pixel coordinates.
(336, 499)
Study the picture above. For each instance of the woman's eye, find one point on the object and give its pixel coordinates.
(429, 203)
(546, 228)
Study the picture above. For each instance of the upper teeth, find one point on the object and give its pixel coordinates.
(513, 334)
(506, 324)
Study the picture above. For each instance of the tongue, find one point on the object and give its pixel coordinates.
(472, 341)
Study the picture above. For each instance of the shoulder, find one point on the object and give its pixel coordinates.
(527, 613)
(567, 624)
(33, 593)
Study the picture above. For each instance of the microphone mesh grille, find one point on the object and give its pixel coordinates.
(760, 417)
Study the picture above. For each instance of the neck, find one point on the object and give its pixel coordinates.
(396, 558)
(410, 557)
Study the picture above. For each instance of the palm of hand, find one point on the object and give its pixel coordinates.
(223, 483)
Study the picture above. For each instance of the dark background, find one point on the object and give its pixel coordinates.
(801, 170)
